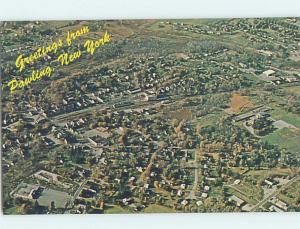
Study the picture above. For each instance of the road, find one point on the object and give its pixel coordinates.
(76, 194)
(196, 170)
(262, 202)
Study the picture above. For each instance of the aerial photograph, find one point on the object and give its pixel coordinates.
(150, 116)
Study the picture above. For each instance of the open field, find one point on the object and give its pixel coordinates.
(260, 175)
(209, 119)
(254, 192)
(48, 195)
(239, 103)
(154, 208)
(288, 117)
(285, 138)
(294, 90)
(114, 209)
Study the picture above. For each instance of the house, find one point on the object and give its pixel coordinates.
(210, 178)
(268, 73)
(199, 203)
(206, 188)
(184, 202)
(237, 181)
(204, 195)
(136, 90)
(179, 192)
(268, 182)
(127, 201)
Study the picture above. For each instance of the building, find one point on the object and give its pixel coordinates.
(268, 182)
(269, 76)
(278, 203)
(268, 73)
(273, 208)
(26, 191)
(238, 201)
(97, 141)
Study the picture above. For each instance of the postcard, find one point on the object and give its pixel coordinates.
(150, 116)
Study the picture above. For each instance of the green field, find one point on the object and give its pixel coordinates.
(285, 138)
(254, 192)
(286, 116)
(154, 208)
(209, 119)
(11, 211)
(113, 209)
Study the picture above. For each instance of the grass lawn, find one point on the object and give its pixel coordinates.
(216, 192)
(114, 209)
(154, 208)
(254, 192)
(11, 211)
(293, 89)
(209, 119)
(260, 175)
(286, 116)
(285, 138)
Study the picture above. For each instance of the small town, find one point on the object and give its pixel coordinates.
(186, 116)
